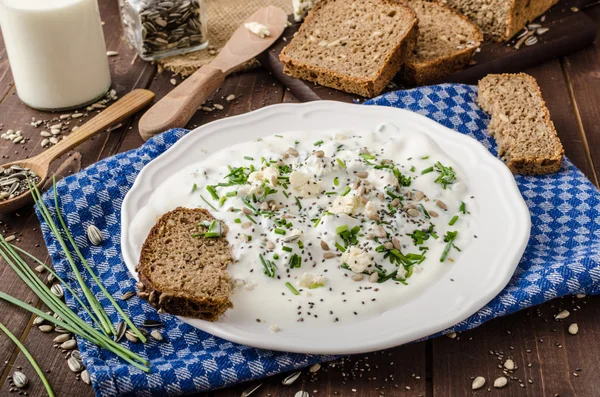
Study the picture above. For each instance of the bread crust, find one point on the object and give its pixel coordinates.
(366, 87)
(433, 70)
(525, 165)
(176, 301)
(522, 12)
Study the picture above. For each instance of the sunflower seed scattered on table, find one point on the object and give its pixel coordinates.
(500, 382)
(314, 368)
(541, 31)
(76, 354)
(57, 316)
(302, 393)
(69, 345)
(20, 379)
(531, 41)
(121, 329)
(562, 315)
(62, 338)
(57, 290)
(46, 328)
(85, 377)
(290, 379)
(40, 269)
(94, 235)
(38, 321)
(251, 390)
(131, 337)
(74, 364)
(573, 329)
(509, 364)
(51, 277)
(157, 335)
(127, 295)
(478, 383)
(152, 324)
(61, 330)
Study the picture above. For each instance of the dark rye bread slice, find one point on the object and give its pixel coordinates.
(500, 20)
(446, 43)
(526, 137)
(185, 275)
(355, 46)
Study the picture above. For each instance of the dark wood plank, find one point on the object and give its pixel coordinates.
(583, 73)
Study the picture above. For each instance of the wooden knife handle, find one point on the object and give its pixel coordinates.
(179, 105)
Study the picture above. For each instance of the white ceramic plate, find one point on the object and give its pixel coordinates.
(481, 272)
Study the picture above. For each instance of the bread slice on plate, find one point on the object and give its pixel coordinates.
(526, 137)
(446, 43)
(355, 46)
(181, 271)
(500, 20)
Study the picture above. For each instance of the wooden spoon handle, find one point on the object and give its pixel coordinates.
(120, 110)
(179, 105)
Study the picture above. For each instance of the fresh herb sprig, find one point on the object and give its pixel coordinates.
(446, 177)
(269, 268)
(449, 239)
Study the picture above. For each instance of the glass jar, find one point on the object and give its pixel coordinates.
(163, 28)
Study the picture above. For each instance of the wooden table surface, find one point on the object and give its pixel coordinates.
(549, 361)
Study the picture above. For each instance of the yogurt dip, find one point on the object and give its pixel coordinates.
(328, 227)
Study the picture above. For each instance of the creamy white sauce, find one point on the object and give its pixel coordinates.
(336, 297)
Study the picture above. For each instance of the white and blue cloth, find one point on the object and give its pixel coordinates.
(562, 258)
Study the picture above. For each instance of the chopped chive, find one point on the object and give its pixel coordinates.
(279, 136)
(251, 219)
(412, 168)
(268, 266)
(427, 171)
(330, 193)
(194, 188)
(313, 286)
(295, 261)
(318, 143)
(291, 288)
(453, 220)
(345, 191)
(339, 247)
(275, 256)
(342, 163)
(285, 194)
(249, 158)
(231, 194)
(462, 208)
(222, 201)
(237, 220)
(280, 231)
(341, 229)
(213, 192)
(286, 248)
(422, 207)
(298, 203)
(336, 181)
(425, 157)
(209, 204)
(449, 239)
(300, 244)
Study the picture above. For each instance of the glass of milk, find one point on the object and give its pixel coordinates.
(56, 51)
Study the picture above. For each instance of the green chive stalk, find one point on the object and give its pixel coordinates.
(125, 317)
(29, 357)
(107, 326)
(85, 331)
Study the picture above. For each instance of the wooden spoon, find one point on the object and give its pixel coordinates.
(178, 107)
(40, 164)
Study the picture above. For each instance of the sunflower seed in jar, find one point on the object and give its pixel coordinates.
(75, 365)
(94, 235)
(57, 290)
(19, 379)
(85, 377)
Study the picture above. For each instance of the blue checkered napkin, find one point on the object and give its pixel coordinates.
(562, 258)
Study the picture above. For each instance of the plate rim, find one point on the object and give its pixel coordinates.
(518, 206)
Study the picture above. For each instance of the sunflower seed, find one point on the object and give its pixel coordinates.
(121, 329)
(230, 98)
(61, 330)
(413, 212)
(500, 382)
(302, 393)
(130, 336)
(152, 324)
(358, 277)
(76, 354)
(509, 364)
(94, 235)
(75, 365)
(531, 41)
(534, 26)
(157, 335)
(314, 368)
(441, 204)
(46, 328)
(478, 383)
(251, 390)
(573, 329)
(290, 379)
(57, 290)
(20, 379)
(69, 345)
(374, 277)
(111, 53)
(541, 31)
(62, 338)
(562, 315)
(127, 295)
(51, 277)
(85, 377)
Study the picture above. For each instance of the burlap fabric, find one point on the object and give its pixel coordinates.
(223, 18)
